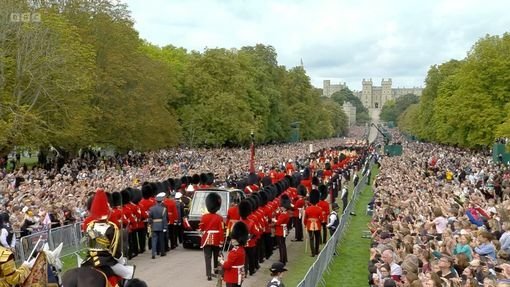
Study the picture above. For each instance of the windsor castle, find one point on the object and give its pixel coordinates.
(372, 96)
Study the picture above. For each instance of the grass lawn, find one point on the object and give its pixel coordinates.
(349, 268)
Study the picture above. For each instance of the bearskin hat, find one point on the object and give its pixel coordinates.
(256, 197)
(244, 208)
(185, 181)
(296, 179)
(241, 184)
(203, 178)
(160, 188)
(272, 191)
(213, 202)
(279, 188)
(323, 190)
(136, 195)
(116, 199)
(254, 203)
(125, 196)
(240, 233)
(328, 166)
(166, 186)
(301, 190)
(147, 191)
(285, 201)
(109, 197)
(195, 179)
(210, 178)
(306, 173)
(263, 197)
(266, 180)
(171, 184)
(177, 184)
(315, 181)
(314, 196)
(154, 188)
(253, 178)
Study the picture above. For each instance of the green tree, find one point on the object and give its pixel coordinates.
(346, 95)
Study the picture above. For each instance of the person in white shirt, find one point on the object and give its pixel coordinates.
(7, 236)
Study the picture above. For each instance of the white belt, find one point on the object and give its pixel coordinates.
(209, 232)
(239, 273)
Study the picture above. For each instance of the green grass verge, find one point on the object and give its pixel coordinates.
(349, 268)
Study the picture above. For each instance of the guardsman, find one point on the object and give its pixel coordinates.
(306, 180)
(244, 212)
(323, 204)
(253, 184)
(212, 228)
(145, 204)
(232, 216)
(131, 219)
(312, 219)
(281, 227)
(103, 241)
(135, 197)
(297, 215)
(233, 267)
(158, 223)
(172, 219)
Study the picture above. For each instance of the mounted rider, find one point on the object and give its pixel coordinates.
(103, 236)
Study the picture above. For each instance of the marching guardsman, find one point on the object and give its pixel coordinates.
(281, 227)
(328, 173)
(312, 219)
(232, 216)
(244, 212)
(233, 267)
(212, 228)
(145, 204)
(157, 224)
(289, 167)
(128, 213)
(323, 204)
(135, 197)
(172, 219)
(297, 215)
(307, 180)
(103, 240)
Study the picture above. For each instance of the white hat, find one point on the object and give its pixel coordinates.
(160, 196)
(178, 195)
(190, 188)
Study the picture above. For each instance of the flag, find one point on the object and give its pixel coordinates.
(39, 273)
(252, 158)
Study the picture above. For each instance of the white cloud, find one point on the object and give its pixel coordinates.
(339, 40)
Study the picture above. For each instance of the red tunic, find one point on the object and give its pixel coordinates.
(252, 232)
(212, 227)
(232, 217)
(313, 217)
(281, 224)
(325, 210)
(172, 210)
(233, 266)
(300, 203)
(145, 205)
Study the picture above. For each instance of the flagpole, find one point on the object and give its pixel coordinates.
(252, 153)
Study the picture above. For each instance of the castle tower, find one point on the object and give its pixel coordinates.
(326, 85)
(386, 93)
(366, 93)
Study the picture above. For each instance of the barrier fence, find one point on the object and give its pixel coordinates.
(70, 235)
(321, 264)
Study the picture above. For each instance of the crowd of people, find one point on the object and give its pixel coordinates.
(440, 218)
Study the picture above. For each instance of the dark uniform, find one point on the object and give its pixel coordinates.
(158, 222)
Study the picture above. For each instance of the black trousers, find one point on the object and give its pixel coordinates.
(268, 245)
(299, 228)
(232, 285)
(211, 252)
(324, 233)
(260, 250)
(133, 244)
(142, 237)
(172, 235)
(282, 248)
(250, 262)
(179, 231)
(315, 238)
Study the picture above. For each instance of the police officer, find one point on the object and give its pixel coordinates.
(277, 270)
(158, 222)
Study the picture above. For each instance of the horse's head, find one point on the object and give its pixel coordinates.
(53, 257)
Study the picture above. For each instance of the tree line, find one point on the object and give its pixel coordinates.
(465, 102)
(83, 77)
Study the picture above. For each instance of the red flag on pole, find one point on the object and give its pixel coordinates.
(252, 158)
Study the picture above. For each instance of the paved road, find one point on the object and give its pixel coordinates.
(374, 115)
(186, 267)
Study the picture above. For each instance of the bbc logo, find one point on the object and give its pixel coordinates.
(26, 17)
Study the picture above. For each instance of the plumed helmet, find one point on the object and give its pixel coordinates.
(116, 199)
(213, 202)
(266, 180)
(306, 173)
(285, 201)
(301, 190)
(240, 233)
(136, 195)
(323, 190)
(210, 178)
(195, 179)
(203, 178)
(126, 197)
(314, 196)
(100, 208)
(253, 178)
(244, 208)
(147, 191)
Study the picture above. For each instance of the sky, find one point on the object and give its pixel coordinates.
(341, 41)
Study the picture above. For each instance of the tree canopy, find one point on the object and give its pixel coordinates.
(466, 102)
(83, 77)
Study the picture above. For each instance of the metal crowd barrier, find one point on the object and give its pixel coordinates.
(70, 235)
(321, 264)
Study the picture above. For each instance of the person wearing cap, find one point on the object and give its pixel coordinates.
(333, 218)
(276, 270)
(158, 223)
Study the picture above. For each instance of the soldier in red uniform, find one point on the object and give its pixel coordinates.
(233, 267)
(172, 218)
(297, 215)
(145, 204)
(307, 181)
(244, 212)
(253, 184)
(135, 196)
(324, 205)
(232, 216)
(280, 224)
(131, 223)
(313, 217)
(213, 235)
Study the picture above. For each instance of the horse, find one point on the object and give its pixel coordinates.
(85, 276)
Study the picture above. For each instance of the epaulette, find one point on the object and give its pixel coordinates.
(4, 254)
